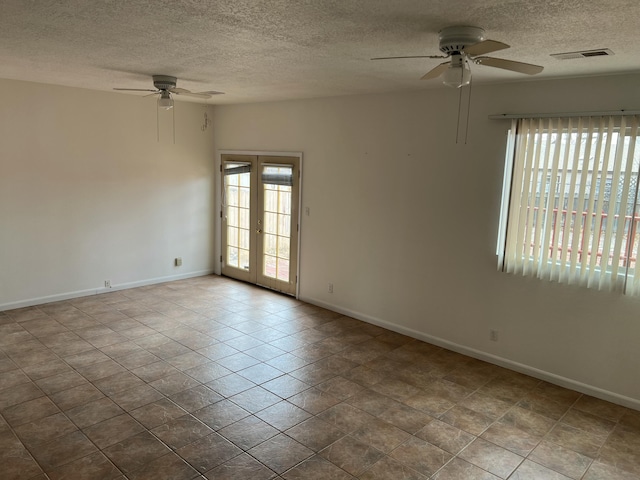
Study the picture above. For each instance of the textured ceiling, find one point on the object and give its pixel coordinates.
(282, 49)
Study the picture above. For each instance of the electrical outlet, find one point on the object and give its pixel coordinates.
(178, 262)
(493, 335)
(307, 211)
(107, 284)
(330, 289)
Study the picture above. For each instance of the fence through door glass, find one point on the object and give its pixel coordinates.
(277, 183)
(237, 192)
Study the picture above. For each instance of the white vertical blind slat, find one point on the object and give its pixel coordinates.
(559, 227)
(542, 161)
(513, 255)
(571, 220)
(594, 208)
(619, 253)
(607, 249)
(580, 231)
(529, 199)
(553, 155)
(598, 275)
(522, 252)
(632, 252)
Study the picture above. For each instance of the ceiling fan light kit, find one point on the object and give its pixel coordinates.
(458, 74)
(165, 101)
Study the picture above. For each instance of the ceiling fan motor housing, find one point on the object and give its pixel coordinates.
(164, 82)
(454, 39)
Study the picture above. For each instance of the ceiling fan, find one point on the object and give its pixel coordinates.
(165, 86)
(465, 45)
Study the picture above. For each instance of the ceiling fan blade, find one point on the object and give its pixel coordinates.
(178, 90)
(519, 67)
(411, 56)
(182, 91)
(482, 48)
(135, 89)
(154, 93)
(189, 94)
(436, 72)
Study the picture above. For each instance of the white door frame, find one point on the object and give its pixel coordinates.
(217, 264)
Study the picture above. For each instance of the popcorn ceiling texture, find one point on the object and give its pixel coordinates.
(281, 49)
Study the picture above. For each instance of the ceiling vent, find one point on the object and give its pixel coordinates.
(600, 52)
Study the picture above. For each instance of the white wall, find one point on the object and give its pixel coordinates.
(403, 222)
(88, 194)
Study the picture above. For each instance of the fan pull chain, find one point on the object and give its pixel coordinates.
(458, 119)
(466, 127)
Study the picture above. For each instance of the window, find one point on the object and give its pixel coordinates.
(570, 210)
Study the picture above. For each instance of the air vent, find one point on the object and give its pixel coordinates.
(601, 52)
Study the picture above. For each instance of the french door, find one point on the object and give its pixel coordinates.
(260, 220)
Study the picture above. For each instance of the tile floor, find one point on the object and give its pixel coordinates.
(212, 378)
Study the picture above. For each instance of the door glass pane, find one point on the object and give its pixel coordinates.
(277, 221)
(237, 195)
(270, 222)
(270, 244)
(269, 266)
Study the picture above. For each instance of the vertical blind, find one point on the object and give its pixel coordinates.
(573, 206)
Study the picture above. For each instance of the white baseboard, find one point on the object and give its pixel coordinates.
(30, 302)
(487, 357)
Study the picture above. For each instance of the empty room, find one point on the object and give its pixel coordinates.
(319, 240)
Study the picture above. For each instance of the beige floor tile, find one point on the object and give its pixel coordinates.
(283, 415)
(93, 412)
(195, 398)
(157, 413)
(135, 452)
(513, 439)
(315, 434)
(316, 468)
(458, 469)
(94, 466)
(529, 470)
(280, 453)
(241, 467)
(181, 431)
(561, 459)
(113, 430)
(63, 450)
(351, 455)
(421, 456)
(602, 471)
(405, 418)
(468, 420)
(248, 432)
(445, 436)
(208, 452)
(388, 468)
(29, 411)
(219, 415)
(490, 457)
(167, 467)
(380, 435)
